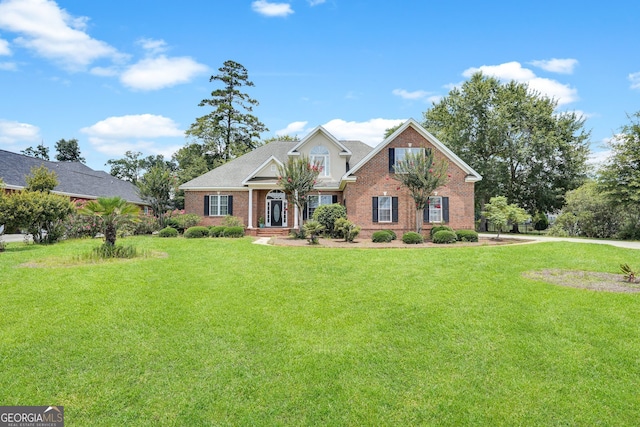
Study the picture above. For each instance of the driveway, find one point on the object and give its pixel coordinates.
(540, 238)
(13, 238)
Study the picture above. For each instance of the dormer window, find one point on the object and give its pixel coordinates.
(319, 156)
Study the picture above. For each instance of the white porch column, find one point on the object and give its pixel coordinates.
(295, 215)
(250, 222)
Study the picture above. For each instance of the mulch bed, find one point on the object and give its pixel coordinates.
(367, 243)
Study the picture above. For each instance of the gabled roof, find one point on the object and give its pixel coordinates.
(235, 174)
(74, 179)
(472, 175)
(344, 151)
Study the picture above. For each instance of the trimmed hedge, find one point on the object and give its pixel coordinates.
(437, 228)
(168, 232)
(382, 236)
(467, 235)
(196, 232)
(237, 231)
(412, 238)
(444, 236)
(217, 230)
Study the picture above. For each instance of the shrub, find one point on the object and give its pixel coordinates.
(393, 234)
(146, 224)
(444, 236)
(348, 229)
(182, 221)
(437, 228)
(236, 231)
(232, 221)
(381, 236)
(107, 250)
(313, 230)
(541, 222)
(467, 235)
(412, 238)
(168, 232)
(196, 232)
(327, 215)
(217, 230)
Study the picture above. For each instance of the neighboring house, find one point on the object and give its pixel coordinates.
(75, 180)
(354, 174)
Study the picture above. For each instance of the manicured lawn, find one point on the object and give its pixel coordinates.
(223, 332)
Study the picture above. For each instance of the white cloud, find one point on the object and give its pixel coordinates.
(8, 66)
(293, 129)
(12, 132)
(153, 46)
(266, 8)
(562, 66)
(161, 72)
(52, 33)
(417, 94)
(370, 132)
(563, 94)
(635, 80)
(116, 135)
(4, 47)
(315, 2)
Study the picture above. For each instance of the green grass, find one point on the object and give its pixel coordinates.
(223, 332)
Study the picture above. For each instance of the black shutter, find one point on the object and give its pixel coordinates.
(206, 205)
(425, 214)
(305, 213)
(334, 198)
(392, 159)
(445, 209)
(394, 209)
(230, 205)
(374, 207)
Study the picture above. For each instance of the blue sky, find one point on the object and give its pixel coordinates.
(128, 75)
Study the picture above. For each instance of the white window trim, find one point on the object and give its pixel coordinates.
(435, 211)
(381, 209)
(217, 211)
(324, 160)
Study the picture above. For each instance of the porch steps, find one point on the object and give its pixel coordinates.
(268, 232)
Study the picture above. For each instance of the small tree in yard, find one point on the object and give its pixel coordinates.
(156, 187)
(113, 212)
(421, 174)
(297, 178)
(501, 214)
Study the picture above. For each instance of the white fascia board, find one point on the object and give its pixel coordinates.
(344, 151)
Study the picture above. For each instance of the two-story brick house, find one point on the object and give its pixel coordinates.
(354, 174)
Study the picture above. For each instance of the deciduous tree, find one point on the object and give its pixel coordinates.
(515, 139)
(297, 178)
(40, 152)
(156, 188)
(421, 174)
(500, 213)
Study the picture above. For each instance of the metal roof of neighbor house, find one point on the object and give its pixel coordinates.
(233, 174)
(74, 179)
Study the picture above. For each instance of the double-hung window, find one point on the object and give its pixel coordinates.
(218, 205)
(319, 156)
(384, 209)
(314, 201)
(435, 209)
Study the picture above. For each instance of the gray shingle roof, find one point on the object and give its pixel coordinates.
(233, 173)
(74, 179)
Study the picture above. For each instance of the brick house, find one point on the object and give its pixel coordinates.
(354, 174)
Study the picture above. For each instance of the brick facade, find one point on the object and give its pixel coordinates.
(374, 179)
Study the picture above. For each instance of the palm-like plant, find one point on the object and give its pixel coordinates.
(112, 212)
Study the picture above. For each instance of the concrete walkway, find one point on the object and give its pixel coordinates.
(540, 238)
(13, 238)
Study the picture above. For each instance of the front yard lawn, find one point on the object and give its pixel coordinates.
(224, 332)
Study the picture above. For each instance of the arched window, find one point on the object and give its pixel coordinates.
(320, 156)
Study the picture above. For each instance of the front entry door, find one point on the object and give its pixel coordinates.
(276, 213)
